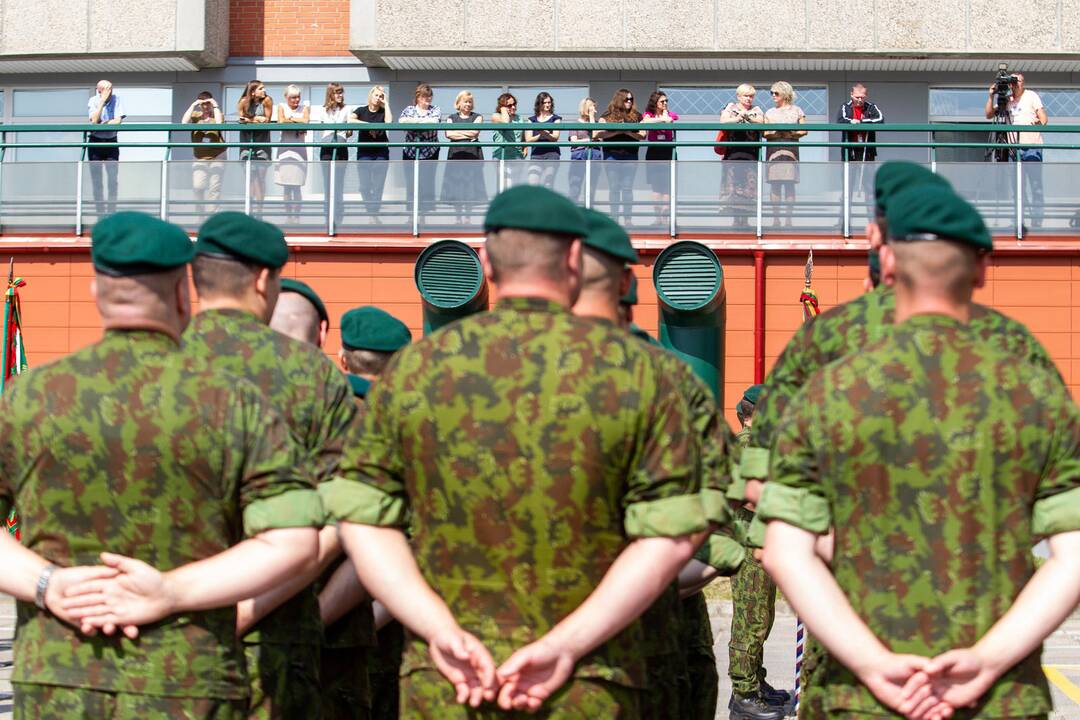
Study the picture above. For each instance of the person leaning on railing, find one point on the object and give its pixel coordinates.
(545, 157)
(208, 168)
(586, 114)
(333, 110)
(620, 175)
(291, 173)
(658, 171)
(421, 111)
(372, 162)
(783, 169)
(104, 108)
(740, 174)
(256, 107)
(511, 147)
(463, 182)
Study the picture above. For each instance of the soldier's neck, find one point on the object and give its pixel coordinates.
(231, 303)
(909, 304)
(597, 306)
(531, 288)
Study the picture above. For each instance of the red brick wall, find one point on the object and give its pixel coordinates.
(280, 28)
(1043, 292)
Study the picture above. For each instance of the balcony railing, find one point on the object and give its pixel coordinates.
(413, 197)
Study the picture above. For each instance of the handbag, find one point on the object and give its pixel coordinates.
(721, 136)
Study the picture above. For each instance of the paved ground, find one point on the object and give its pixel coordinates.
(1061, 659)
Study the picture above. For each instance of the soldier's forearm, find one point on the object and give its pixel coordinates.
(637, 577)
(1044, 603)
(22, 568)
(342, 593)
(695, 576)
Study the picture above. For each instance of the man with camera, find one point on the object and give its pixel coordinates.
(1024, 107)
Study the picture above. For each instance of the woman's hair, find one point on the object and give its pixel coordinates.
(539, 104)
(422, 90)
(654, 99)
(617, 113)
(250, 88)
(205, 95)
(584, 104)
(291, 90)
(745, 89)
(784, 90)
(331, 102)
(461, 97)
(374, 89)
(502, 101)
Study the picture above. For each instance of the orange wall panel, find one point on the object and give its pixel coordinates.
(279, 28)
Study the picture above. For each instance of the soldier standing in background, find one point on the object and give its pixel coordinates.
(938, 459)
(549, 469)
(237, 275)
(122, 447)
(300, 313)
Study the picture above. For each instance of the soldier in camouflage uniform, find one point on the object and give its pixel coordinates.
(551, 472)
(843, 330)
(938, 459)
(122, 447)
(236, 272)
(300, 313)
(369, 338)
(753, 603)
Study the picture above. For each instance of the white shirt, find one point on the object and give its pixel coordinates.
(1025, 112)
(319, 114)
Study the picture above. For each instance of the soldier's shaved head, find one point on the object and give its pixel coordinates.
(936, 268)
(295, 316)
(366, 363)
(227, 283)
(149, 299)
(522, 253)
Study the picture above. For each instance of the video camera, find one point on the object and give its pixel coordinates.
(1003, 87)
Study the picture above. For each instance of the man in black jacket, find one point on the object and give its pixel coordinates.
(860, 111)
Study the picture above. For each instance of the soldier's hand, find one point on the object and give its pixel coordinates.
(961, 677)
(139, 594)
(532, 674)
(71, 579)
(900, 682)
(466, 663)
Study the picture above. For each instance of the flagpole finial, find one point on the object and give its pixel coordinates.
(808, 271)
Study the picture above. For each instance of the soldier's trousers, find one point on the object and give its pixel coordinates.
(665, 693)
(753, 600)
(52, 702)
(284, 681)
(383, 673)
(426, 695)
(346, 687)
(702, 681)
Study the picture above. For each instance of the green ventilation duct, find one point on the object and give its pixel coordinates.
(451, 283)
(692, 302)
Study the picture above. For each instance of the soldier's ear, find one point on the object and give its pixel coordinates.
(341, 360)
(485, 265)
(324, 330)
(625, 280)
(982, 261)
(888, 265)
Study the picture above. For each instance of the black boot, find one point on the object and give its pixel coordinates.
(772, 696)
(752, 707)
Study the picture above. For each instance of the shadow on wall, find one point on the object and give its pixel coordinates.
(247, 27)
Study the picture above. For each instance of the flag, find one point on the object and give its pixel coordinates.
(808, 298)
(14, 357)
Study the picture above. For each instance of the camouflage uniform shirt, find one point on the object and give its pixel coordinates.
(121, 447)
(939, 461)
(311, 394)
(530, 447)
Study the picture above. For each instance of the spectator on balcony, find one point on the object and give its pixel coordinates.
(292, 160)
(104, 108)
(463, 182)
(860, 111)
(620, 174)
(545, 156)
(208, 167)
(658, 171)
(740, 168)
(373, 161)
(511, 148)
(333, 110)
(586, 114)
(783, 169)
(421, 111)
(1026, 108)
(256, 107)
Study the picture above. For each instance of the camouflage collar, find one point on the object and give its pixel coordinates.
(228, 315)
(531, 304)
(142, 325)
(931, 321)
(145, 340)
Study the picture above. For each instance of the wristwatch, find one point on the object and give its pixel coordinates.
(43, 586)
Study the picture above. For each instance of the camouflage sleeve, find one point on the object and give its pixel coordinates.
(721, 552)
(793, 493)
(716, 445)
(1057, 504)
(338, 413)
(369, 486)
(663, 497)
(788, 375)
(274, 493)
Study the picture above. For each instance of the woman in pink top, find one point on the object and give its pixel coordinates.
(658, 170)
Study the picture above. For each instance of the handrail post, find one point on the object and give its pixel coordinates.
(671, 197)
(78, 197)
(165, 184)
(760, 188)
(588, 178)
(331, 206)
(933, 159)
(846, 200)
(247, 185)
(416, 195)
(501, 182)
(1019, 197)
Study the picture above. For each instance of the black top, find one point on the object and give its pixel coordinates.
(363, 114)
(461, 151)
(545, 152)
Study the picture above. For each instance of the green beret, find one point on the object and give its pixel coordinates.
(607, 236)
(302, 288)
(926, 212)
(532, 207)
(897, 175)
(369, 328)
(630, 298)
(237, 236)
(752, 393)
(134, 243)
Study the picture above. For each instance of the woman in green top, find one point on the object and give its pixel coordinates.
(506, 112)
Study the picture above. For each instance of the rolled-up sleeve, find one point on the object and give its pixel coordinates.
(295, 508)
(1057, 504)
